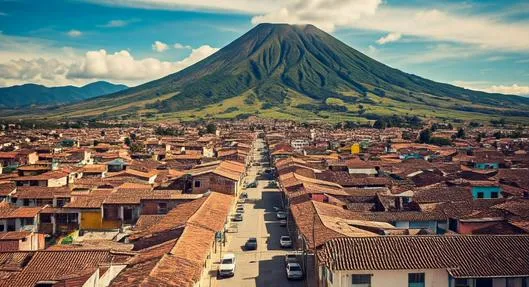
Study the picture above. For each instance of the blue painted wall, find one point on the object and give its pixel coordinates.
(486, 190)
(487, 165)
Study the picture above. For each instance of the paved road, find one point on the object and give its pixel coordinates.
(263, 267)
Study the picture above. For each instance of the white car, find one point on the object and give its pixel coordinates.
(285, 241)
(227, 265)
(294, 271)
(281, 215)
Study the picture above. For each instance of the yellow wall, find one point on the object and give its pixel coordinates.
(91, 219)
(355, 148)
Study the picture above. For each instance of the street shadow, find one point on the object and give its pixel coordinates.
(275, 232)
(272, 273)
(268, 200)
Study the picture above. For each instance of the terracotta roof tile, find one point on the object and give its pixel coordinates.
(475, 256)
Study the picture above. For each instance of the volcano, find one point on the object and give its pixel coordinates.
(296, 71)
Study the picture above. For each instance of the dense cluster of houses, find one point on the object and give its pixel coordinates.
(133, 206)
(117, 206)
(379, 210)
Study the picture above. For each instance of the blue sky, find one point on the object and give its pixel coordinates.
(477, 44)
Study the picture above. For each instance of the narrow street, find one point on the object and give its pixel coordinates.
(264, 266)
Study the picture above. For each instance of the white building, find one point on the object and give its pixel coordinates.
(299, 144)
(425, 261)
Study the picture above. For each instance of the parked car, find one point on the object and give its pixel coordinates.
(291, 258)
(285, 241)
(244, 195)
(237, 217)
(281, 215)
(251, 244)
(294, 271)
(252, 185)
(282, 223)
(239, 209)
(277, 208)
(227, 265)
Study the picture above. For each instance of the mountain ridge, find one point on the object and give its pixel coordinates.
(279, 65)
(19, 96)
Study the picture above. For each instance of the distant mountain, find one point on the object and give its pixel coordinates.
(32, 94)
(296, 72)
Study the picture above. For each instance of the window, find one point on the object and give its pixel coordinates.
(2, 228)
(45, 218)
(481, 194)
(494, 194)
(27, 221)
(416, 280)
(361, 280)
(461, 283)
(197, 183)
(26, 202)
(162, 207)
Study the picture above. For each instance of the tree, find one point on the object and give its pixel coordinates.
(440, 141)
(137, 147)
(425, 135)
(461, 133)
(127, 141)
(380, 124)
(211, 128)
(133, 137)
(498, 135)
(480, 136)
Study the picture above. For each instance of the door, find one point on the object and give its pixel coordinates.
(483, 282)
(127, 215)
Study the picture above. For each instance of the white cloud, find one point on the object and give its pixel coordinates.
(33, 60)
(115, 24)
(181, 46)
(483, 31)
(159, 46)
(3, 14)
(485, 86)
(123, 66)
(119, 67)
(245, 6)
(440, 52)
(514, 89)
(453, 23)
(325, 14)
(74, 33)
(391, 37)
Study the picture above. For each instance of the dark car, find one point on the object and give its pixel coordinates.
(251, 244)
(237, 217)
(252, 185)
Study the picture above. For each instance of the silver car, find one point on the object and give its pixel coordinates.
(285, 241)
(294, 271)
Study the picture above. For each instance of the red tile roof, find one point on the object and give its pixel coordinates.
(476, 256)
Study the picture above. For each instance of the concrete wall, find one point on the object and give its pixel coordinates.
(110, 274)
(204, 183)
(58, 182)
(392, 278)
(369, 171)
